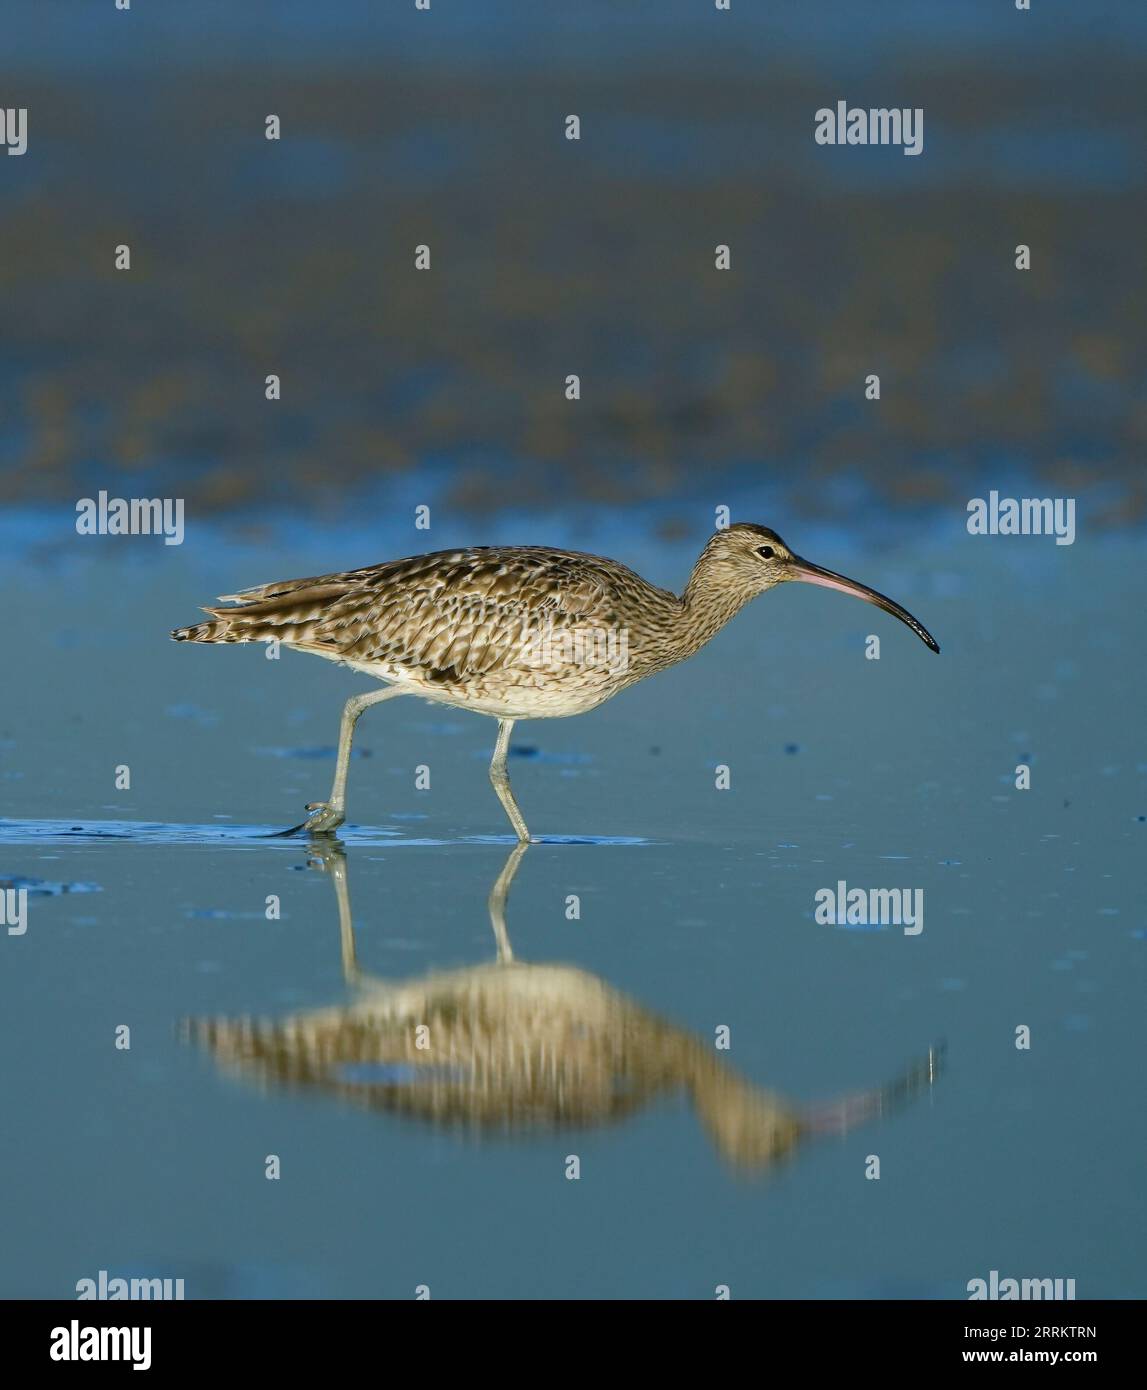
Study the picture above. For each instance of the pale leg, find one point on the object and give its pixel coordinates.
(496, 902)
(329, 815)
(330, 856)
(501, 779)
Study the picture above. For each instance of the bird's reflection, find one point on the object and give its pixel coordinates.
(517, 1048)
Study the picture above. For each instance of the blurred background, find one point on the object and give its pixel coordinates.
(552, 257)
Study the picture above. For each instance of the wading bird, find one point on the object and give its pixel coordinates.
(514, 632)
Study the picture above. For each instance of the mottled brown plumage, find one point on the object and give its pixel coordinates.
(514, 632)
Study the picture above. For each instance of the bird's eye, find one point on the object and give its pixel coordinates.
(766, 552)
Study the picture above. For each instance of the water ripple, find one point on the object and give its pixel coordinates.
(63, 832)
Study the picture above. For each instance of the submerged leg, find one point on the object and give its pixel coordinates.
(501, 779)
(329, 815)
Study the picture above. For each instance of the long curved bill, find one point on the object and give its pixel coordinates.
(813, 574)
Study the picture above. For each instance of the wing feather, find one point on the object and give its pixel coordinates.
(444, 616)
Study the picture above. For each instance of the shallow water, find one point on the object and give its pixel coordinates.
(696, 913)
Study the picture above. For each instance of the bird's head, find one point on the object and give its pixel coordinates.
(749, 559)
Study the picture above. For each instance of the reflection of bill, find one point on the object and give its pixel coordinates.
(586, 647)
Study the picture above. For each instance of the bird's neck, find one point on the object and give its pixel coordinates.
(706, 606)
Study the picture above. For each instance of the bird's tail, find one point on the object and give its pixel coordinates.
(218, 631)
(234, 625)
(287, 612)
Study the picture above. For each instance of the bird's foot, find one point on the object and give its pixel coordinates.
(323, 820)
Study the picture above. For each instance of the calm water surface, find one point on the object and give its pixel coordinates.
(696, 913)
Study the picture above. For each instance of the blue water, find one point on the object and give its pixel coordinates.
(696, 906)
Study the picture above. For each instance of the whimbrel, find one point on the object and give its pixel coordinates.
(512, 1047)
(514, 632)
